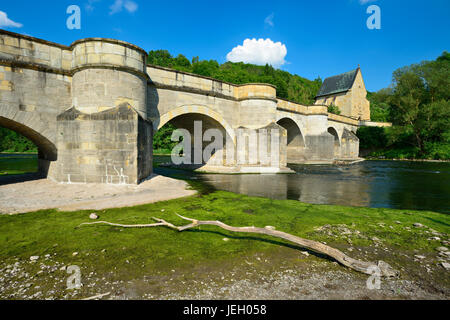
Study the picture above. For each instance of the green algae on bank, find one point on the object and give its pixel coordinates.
(117, 255)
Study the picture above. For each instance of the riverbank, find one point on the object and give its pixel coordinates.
(46, 194)
(159, 263)
(413, 160)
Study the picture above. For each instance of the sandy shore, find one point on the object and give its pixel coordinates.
(45, 194)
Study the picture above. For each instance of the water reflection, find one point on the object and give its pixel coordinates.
(306, 186)
(381, 184)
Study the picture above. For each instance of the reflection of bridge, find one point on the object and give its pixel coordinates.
(92, 109)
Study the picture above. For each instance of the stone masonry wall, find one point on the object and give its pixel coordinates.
(101, 147)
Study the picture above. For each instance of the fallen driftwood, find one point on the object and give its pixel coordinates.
(381, 269)
(97, 296)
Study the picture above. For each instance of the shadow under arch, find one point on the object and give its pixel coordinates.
(46, 149)
(185, 118)
(334, 133)
(295, 140)
(337, 141)
(195, 109)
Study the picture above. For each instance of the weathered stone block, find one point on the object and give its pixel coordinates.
(116, 148)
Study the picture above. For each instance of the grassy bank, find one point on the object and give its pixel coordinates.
(162, 152)
(133, 253)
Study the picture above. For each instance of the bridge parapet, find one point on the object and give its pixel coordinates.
(174, 79)
(375, 124)
(255, 91)
(22, 49)
(343, 119)
(185, 81)
(108, 52)
(301, 109)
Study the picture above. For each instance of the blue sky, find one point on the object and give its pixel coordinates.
(321, 38)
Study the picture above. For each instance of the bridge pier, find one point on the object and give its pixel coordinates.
(319, 149)
(112, 147)
(349, 146)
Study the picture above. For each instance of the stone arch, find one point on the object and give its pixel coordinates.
(185, 117)
(30, 125)
(195, 109)
(337, 141)
(335, 134)
(47, 151)
(295, 140)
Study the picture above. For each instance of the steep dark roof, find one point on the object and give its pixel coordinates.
(336, 84)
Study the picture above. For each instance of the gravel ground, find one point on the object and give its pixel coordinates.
(283, 274)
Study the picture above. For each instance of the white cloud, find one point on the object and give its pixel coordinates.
(116, 7)
(363, 2)
(119, 5)
(269, 20)
(131, 6)
(259, 52)
(90, 5)
(6, 22)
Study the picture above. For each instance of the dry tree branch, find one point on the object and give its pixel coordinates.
(99, 296)
(362, 266)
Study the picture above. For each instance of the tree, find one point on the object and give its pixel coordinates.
(160, 58)
(417, 103)
(206, 68)
(420, 100)
(11, 141)
(182, 61)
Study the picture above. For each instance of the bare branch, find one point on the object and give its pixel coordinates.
(361, 266)
(97, 296)
(124, 225)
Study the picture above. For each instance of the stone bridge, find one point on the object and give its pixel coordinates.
(92, 109)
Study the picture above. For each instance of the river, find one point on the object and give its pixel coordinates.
(376, 184)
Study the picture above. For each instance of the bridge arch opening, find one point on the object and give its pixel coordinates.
(337, 143)
(47, 151)
(188, 121)
(295, 140)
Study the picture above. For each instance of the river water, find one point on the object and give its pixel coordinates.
(378, 184)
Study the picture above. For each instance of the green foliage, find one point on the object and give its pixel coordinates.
(379, 108)
(334, 109)
(418, 105)
(290, 87)
(161, 58)
(437, 150)
(162, 142)
(11, 141)
(371, 137)
(420, 100)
